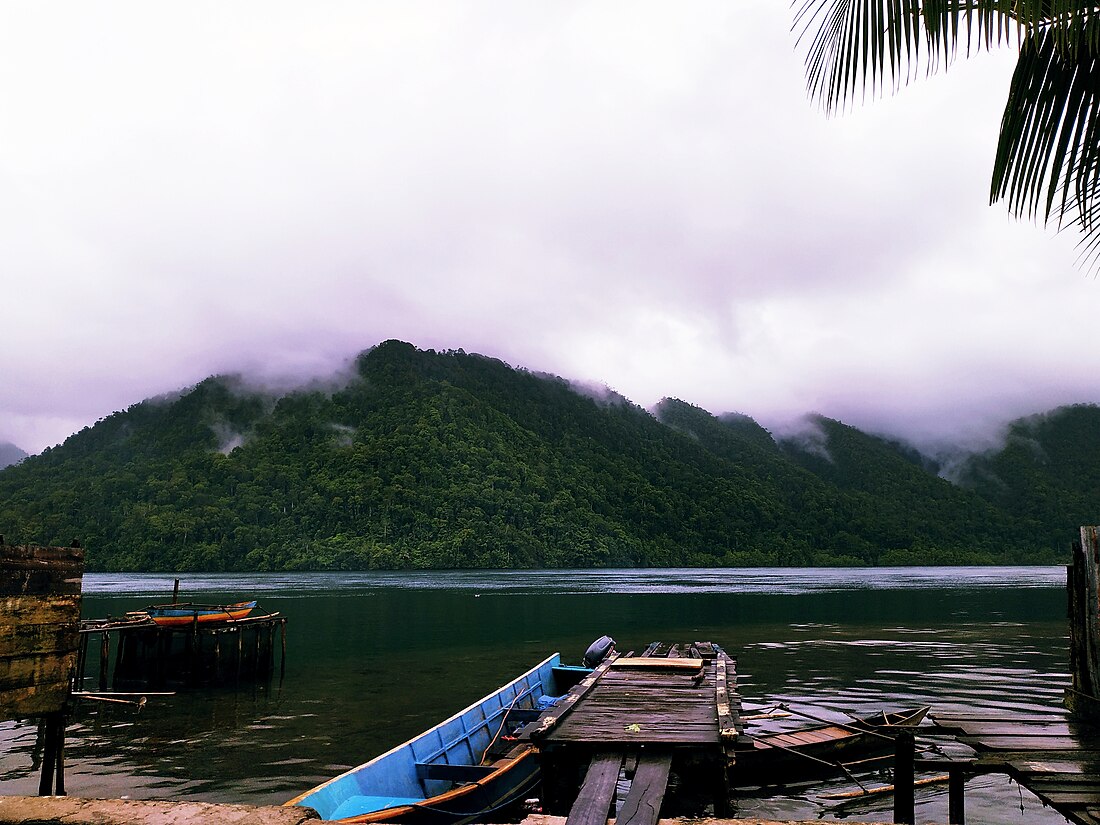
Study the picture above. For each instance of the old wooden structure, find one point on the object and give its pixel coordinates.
(40, 591)
(1083, 588)
(1054, 754)
(134, 653)
(646, 717)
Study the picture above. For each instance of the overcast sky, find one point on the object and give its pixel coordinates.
(632, 193)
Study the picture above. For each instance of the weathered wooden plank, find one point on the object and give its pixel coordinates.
(658, 663)
(1039, 768)
(40, 582)
(551, 718)
(43, 638)
(13, 555)
(954, 719)
(642, 805)
(33, 700)
(24, 671)
(594, 799)
(26, 610)
(1071, 798)
(727, 722)
(1013, 729)
(1032, 743)
(1064, 784)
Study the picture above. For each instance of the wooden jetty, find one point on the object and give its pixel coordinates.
(39, 620)
(1054, 754)
(666, 711)
(135, 653)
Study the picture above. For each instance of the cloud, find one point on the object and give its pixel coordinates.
(630, 196)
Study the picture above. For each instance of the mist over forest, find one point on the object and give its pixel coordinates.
(424, 459)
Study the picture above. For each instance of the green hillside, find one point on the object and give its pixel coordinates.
(429, 459)
(1047, 474)
(930, 520)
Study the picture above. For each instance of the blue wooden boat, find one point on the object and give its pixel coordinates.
(459, 771)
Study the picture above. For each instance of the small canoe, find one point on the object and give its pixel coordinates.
(459, 771)
(178, 615)
(807, 753)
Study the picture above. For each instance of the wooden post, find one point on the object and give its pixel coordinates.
(904, 749)
(282, 658)
(1083, 589)
(193, 652)
(176, 592)
(53, 755)
(956, 784)
(81, 662)
(240, 652)
(104, 658)
(122, 639)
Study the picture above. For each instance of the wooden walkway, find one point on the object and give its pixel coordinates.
(1054, 755)
(646, 716)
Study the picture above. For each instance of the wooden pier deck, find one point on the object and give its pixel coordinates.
(647, 716)
(1055, 755)
(135, 653)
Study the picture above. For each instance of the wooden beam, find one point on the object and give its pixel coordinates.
(903, 777)
(658, 663)
(642, 805)
(593, 802)
(549, 719)
(727, 721)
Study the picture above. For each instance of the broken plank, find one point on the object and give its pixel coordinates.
(727, 721)
(642, 805)
(594, 799)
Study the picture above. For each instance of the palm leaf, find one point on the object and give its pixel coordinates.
(1048, 156)
(861, 46)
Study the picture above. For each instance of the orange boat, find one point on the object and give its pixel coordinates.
(179, 615)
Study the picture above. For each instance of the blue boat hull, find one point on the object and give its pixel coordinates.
(444, 775)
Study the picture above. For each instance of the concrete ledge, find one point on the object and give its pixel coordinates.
(72, 810)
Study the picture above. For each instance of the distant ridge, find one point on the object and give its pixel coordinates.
(448, 459)
(10, 454)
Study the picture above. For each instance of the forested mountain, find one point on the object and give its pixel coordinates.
(428, 459)
(1047, 474)
(10, 454)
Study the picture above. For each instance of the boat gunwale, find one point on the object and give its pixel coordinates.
(505, 763)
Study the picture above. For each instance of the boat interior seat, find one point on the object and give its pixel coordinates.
(356, 805)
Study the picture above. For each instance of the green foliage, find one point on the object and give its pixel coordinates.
(449, 460)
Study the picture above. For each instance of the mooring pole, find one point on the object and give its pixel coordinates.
(956, 783)
(904, 749)
(282, 667)
(176, 592)
(104, 658)
(50, 756)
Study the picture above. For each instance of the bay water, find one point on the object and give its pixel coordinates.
(375, 658)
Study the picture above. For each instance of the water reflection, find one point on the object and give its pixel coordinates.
(374, 658)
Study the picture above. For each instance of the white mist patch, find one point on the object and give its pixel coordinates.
(805, 434)
(228, 438)
(345, 435)
(602, 394)
(283, 379)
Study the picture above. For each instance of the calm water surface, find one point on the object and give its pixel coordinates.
(374, 658)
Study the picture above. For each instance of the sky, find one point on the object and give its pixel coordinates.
(633, 194)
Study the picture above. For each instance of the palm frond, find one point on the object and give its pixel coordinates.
(861, 46)
(1048, 155)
